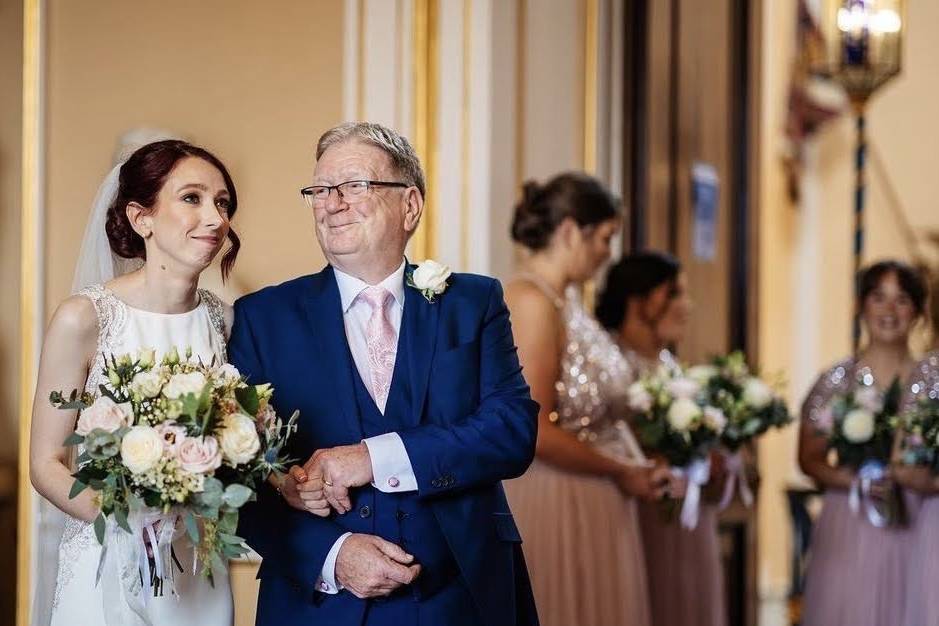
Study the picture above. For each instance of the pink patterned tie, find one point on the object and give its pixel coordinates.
(382, 343)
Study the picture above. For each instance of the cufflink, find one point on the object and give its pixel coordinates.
(393, 482)
(324, 586)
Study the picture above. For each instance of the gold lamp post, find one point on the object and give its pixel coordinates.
(863, 49)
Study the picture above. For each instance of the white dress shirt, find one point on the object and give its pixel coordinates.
(391, 467)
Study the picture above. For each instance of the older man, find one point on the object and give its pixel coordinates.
(413, 409)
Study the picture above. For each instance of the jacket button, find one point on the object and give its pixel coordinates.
(401, 515)
(365, 511)
(435, 483)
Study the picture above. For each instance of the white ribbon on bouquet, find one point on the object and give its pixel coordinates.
(125, 571)
(697, 473)
(860, 494)
(736, 474)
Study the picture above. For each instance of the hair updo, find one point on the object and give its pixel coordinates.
(636, 275)
(569, 195)
(140, 180)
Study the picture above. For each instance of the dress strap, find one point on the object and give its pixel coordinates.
(543, 287)
(216, 309)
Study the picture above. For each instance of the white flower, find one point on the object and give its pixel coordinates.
(181, 384)
(702, 374)
(239, 439)
(715, 419)
(682, 414)
(172, 434)
(858, 426)
(431, 276)
(869, 398)
(146, 357)
(683, 387)
(141, 449)
(147, 384)
(104, 414)
(227, 373)
(639, 398)
(756, 393)
(199, 455)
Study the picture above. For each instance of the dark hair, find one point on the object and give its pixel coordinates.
(635, 275)
(141, 178)
(911, 282)
(569, 195)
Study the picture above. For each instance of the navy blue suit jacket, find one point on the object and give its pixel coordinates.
(474, 424)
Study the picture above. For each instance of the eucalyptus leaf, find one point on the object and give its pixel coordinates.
(77, 487)
(120, 516)
(192, 528)
(236, 495)
(100, 525)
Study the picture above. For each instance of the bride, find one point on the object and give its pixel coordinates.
(166, 211)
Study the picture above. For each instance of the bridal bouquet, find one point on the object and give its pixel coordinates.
(920, 426)
(170, 446)
(750, 406)
(861, 425)
(674, 419)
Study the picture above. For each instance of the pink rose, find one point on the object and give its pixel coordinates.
(266, 417)
(104, 414)
(173, 435)
(199, 455)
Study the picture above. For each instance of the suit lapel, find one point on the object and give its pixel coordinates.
(419, 328)
(324, 313)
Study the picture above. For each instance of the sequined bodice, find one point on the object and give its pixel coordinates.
(924, 383)
(838, 379)
(592, 389)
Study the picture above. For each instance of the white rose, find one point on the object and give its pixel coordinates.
(869, 398)
(181, 384)
(683, 387)
(431, 276)
(104, 414)
(228, 373)
(702, 374)
(639, 398)
(682, 414)
(141, 449)
(715, 419)
(239, 439)
(756, 393)
(199, 455)
(858, 426)
(147, 384)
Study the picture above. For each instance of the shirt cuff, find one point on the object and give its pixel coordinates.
(327, 582)
(391, 466)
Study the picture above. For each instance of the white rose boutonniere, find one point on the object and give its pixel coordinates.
(430, 278)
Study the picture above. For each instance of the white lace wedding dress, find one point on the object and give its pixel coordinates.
(77, 599)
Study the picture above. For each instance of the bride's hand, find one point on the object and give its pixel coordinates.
(289, 487)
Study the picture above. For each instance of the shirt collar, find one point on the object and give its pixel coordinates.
(350, 287)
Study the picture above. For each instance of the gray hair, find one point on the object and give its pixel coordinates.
(403, 158)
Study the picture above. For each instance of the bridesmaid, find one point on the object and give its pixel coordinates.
(857, 573)
(922, 603)
(576, 506)
(645, 303)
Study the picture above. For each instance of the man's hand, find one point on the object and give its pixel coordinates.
(341, 468)
(370, 567)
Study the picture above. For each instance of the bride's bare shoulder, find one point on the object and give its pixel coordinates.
(76, 318)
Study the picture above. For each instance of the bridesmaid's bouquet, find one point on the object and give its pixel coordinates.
(674, 418)
(861, 426)
(920, 439)
(170, 446)
(751, 407)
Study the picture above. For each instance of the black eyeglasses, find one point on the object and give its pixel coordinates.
(350, 191)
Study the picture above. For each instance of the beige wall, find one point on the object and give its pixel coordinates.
(805, 259)
(11, 106)
(255, 82)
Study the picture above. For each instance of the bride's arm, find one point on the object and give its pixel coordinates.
(68, 348)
